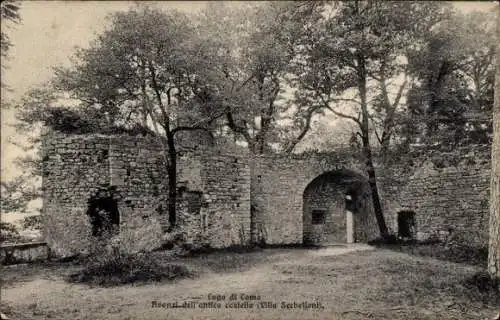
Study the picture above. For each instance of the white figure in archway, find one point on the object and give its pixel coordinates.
(350, 227)
(349, 222)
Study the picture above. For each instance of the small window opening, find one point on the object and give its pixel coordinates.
(318, 216)
(104, 154)
(193, 201)
(406, 224)
(204, 223)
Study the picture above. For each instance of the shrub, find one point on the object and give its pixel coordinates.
(483, 282)
(8, 232)
(482, 287)
(32, 222)
(108, 265)
(389, 240)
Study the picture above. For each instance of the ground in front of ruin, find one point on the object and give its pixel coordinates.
(337, 282)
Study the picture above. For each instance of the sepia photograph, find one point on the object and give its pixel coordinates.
(245, 160)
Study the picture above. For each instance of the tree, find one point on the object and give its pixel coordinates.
(494, 242)
(453, 73)
(141, 72)
(9, 14)
(258, 45)
(16, 194)
(357, 48)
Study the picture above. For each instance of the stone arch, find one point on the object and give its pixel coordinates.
(337, 208)
(278, 184)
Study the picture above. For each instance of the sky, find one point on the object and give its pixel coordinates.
(47, 37)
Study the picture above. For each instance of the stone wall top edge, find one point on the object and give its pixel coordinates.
(142, 142)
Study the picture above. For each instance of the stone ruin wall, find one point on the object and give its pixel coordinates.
(227, 186)
(278, 185)
(72, 171)
(76, 166)
(450, 202)
(448, 191)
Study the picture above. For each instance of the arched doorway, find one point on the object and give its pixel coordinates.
(103, 212)
(337, 209)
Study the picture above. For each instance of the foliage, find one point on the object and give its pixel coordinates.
(9, 13)
(136, 72)
(262, 73)
(32, 222)
(139, 75)
(451, 100)
(108, 264)
(357, 44)
(16, 194)
(249, 77)
(8, 232)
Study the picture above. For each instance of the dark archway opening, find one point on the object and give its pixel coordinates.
(102, 209)
(407, 224)
(336, 207)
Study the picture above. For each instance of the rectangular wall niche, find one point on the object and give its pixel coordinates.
(318, 216)
(193, 201)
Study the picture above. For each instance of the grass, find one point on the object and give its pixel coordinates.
(456, 252)
(233, 259)
(113, 267)
(430, 278)
(128, 270)
(376, 284)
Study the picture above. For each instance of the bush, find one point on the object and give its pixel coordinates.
(483, 287)
(389, 240)
(33, 222)
(106, 264)
(483, 282)
(8, 232)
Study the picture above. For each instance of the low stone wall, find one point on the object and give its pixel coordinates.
(23, 252)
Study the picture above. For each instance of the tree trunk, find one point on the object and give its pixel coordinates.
(367, 151)
(494, 243)
(172, 181)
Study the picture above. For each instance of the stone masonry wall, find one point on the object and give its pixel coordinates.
(227, 190)
(76, 166)
(449, 202)
(232, 199)
(278, 185)
(73, 170)
(452, 198)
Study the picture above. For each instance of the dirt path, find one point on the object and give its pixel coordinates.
(54, 298)
(330, 282)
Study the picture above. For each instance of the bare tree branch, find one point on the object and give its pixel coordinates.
(339, 114)
(305, 129)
